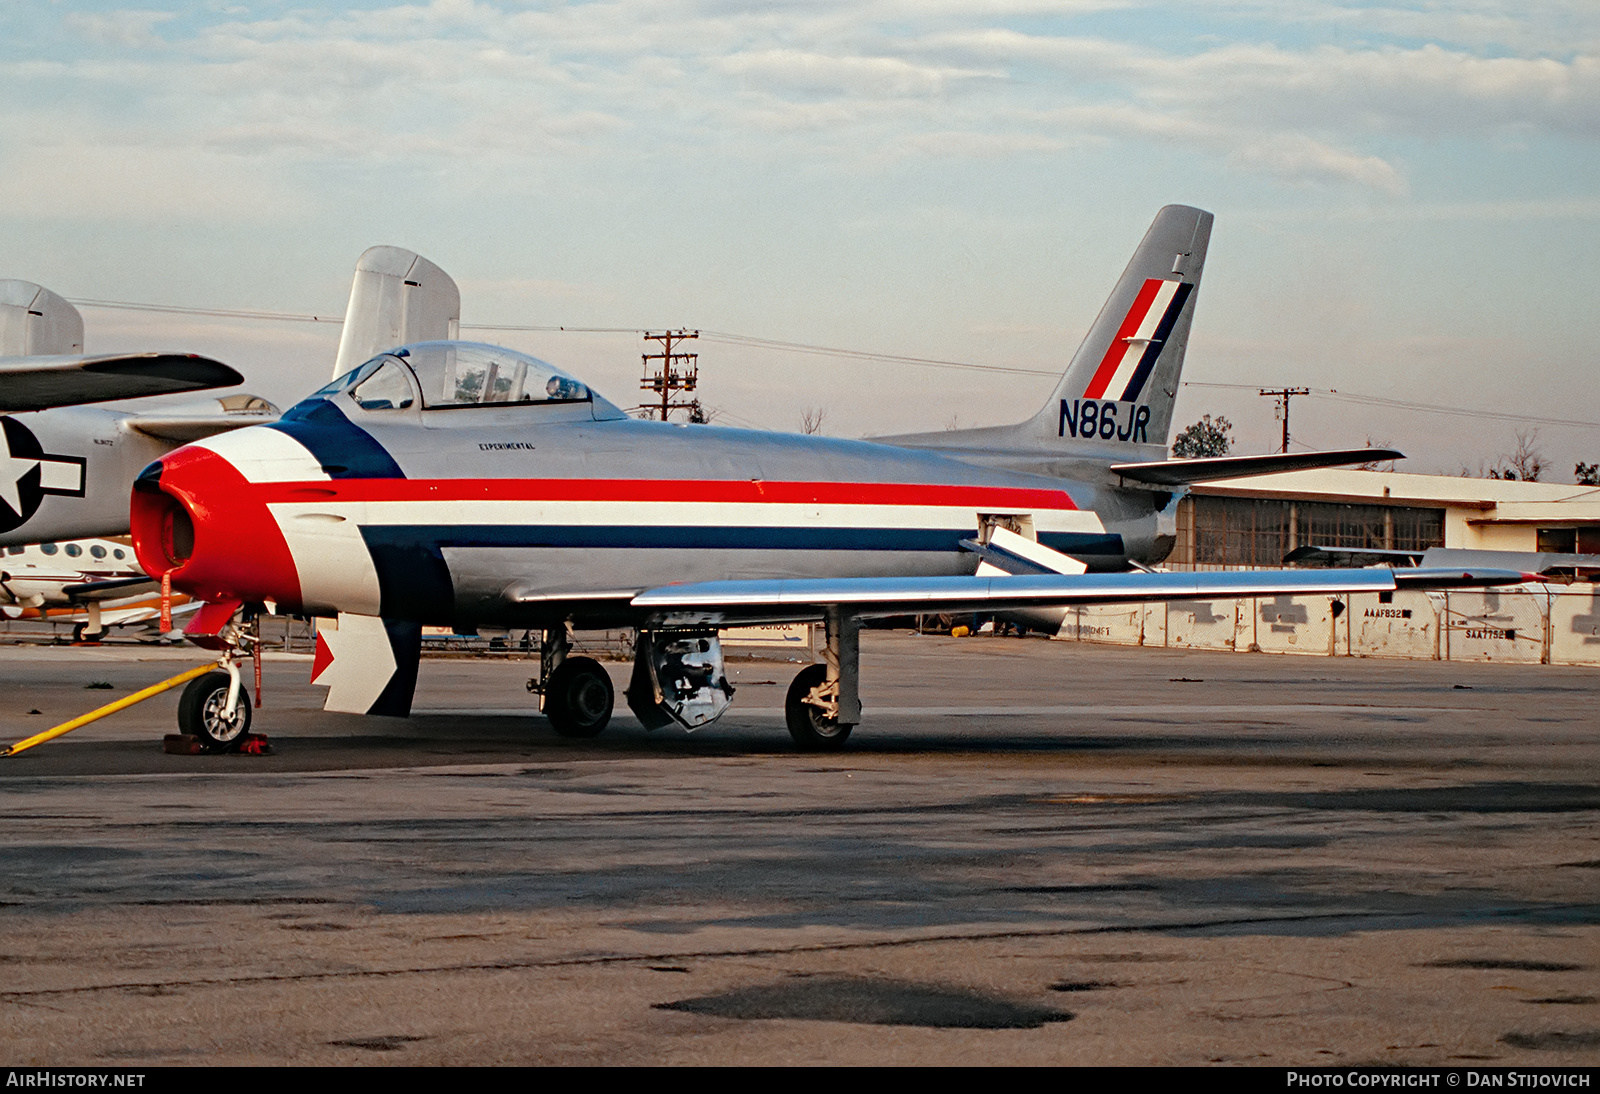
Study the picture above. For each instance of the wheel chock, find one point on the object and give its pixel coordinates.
(187, 744)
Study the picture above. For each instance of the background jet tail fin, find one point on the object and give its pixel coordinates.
(36, 322)
(397, 297)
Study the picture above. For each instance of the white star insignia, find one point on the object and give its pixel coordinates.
(12, 471)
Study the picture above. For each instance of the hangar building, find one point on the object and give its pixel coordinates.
(1255, 522)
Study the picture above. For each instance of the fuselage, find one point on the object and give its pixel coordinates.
(516, 514)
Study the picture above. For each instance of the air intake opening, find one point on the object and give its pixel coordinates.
(177, 533)
(163, 532)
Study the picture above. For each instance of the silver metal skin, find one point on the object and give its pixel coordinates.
(516, 586)
(459, 484)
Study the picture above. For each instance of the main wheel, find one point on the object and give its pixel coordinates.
(811, 729)
(200, 711)
(578, 697)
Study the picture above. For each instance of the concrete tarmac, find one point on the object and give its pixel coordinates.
(1032, 852)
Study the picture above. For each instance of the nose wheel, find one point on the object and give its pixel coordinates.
(203, 711)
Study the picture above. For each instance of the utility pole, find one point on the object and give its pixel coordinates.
(1283, 394)
(678, 372)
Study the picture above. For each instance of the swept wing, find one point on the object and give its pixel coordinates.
(38, 383)
(722, 602)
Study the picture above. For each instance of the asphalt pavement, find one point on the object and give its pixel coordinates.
(1031, 852)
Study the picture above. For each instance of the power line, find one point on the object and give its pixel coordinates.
(222, 313)
(866, 355)
(1421, 408)
(551, 330)
(754, 341)
(713, 336)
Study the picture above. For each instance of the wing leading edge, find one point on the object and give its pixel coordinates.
(38, 383)
(718, 602)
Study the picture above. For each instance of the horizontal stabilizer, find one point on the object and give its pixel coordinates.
(1210, 468)
(1543, 563)
(1442, 577)
(37, 383)
(1351, 556)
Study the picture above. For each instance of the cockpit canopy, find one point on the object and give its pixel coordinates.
(457, 374)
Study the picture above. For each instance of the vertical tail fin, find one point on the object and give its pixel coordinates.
(36, 322)
(1121, 384)
(397, 297)
(1115, 399)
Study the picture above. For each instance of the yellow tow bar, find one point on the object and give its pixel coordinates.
(109, 708)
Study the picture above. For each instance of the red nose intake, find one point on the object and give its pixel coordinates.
(194, 515)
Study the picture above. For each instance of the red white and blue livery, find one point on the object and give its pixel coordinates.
(466, 485)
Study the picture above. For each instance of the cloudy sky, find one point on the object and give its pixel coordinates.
(1407, 194)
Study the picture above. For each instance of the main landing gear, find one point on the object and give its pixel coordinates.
(575, 693)
(824, 703)
(688, 685)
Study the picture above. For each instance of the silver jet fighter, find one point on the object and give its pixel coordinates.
(458, 484)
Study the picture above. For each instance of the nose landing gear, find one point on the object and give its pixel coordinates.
(215, 708)
(205, 712)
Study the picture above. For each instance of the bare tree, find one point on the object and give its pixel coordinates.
(1526, 462)
(811, 419)
(1586, 474)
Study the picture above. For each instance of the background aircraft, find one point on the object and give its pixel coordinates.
(88, 584)
(457, 484)
(65, 468)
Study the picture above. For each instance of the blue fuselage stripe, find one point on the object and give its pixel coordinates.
(710, 537)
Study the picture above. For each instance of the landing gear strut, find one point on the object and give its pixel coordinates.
(575, 693)
(824, 703)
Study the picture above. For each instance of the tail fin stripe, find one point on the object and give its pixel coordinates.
(1158, 339)
(1142, 340)
(1120, 347)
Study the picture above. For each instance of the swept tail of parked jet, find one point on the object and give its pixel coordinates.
(1110, 416)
